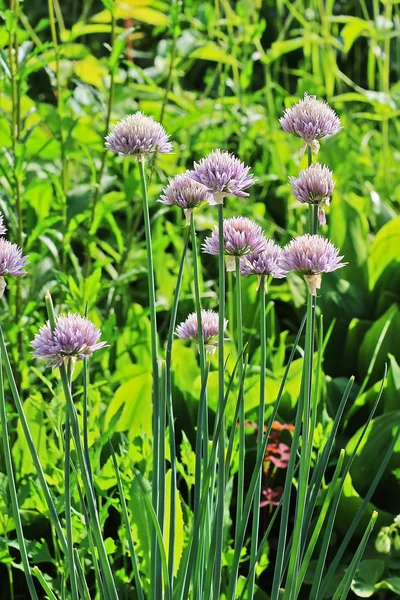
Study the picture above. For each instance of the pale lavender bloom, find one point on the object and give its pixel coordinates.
(241, 236)
(186, 193)
(268, 262)
(311, 255)
(314, 186)
(3, 228)
(74, 337)
(138, 135)
(223, 175)
(12, 262)
(311, 120)
(189, 329)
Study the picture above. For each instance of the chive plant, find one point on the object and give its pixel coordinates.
(240, 246)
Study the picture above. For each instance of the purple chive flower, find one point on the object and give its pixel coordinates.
(241, 236)
(311, 255)
(268, 262)
(223, 175)
(311, 120)
(186, 193)
(189, 329)
(74, 337)
(314, 186)
(139, 136)
(11, 260)
(3, 228)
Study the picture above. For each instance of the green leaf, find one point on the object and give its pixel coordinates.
(141, 526)
(179, 525)
(352, 31)
(367, 576)
(213, 53)
(384, 251)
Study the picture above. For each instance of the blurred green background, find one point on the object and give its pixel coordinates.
(216, 74)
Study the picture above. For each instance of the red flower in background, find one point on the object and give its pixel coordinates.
(271, 497)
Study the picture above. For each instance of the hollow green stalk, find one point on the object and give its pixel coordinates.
(13, 490)
(261, 411)
(157, 485)
(202, 420)
(242, 439)
(67, 502)
(170, 412)
(89, 493)
(219, 516)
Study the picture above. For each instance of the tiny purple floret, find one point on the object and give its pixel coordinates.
(189, 329)
(223, 175)
(241, 236)
(268, 262)
(311, 255)
(186, 193)
(315, 186)
(12, 262)
(74, 337)
(138, 135)
(311, 120)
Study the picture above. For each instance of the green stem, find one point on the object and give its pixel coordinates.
(219, 517)
(67, 501)
(202, 420)
(157, 434)
(242, 440)
(261, 410)
(13, 490)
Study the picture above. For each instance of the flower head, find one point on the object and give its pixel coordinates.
(314, 186)
(311, 255)
(11, 260)
(223, 175)
(268, 262)
(241, 236)
(311, 120)
(74, 337)
(189, 329)
(186, 193)
(138, 135)
(3, 228)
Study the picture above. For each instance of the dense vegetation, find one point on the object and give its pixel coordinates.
(216, 75)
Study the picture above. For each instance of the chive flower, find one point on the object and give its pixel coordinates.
(12, 262)
(3, 228)
(138, 135)
(314, 186)
(267, 263)
(189, 329)
(74, 337)
(310, 256)
(186, 193)
(223, 175)
(311, 120)
(241, 236)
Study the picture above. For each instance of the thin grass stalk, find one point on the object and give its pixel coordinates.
(202, 421)
(127, 525)
(161, 461)
(220, 508)
(232, 435)
(81, 576)
(261, 411)
(342, 548)
(68, 508)
(64, 207)
(91, 500)
(85, 416)
(155, 482)
(344, 587)
(242, 438)
(332, 488)
(170, 413)
(38, 574)
(35, 458)
(13, 490)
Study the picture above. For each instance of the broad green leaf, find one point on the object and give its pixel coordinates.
(141, 526)
(391, 321)
(384, 251)
(91, 71)
(135, 397)
(213, 53)
(367, 576)
(353, 29)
